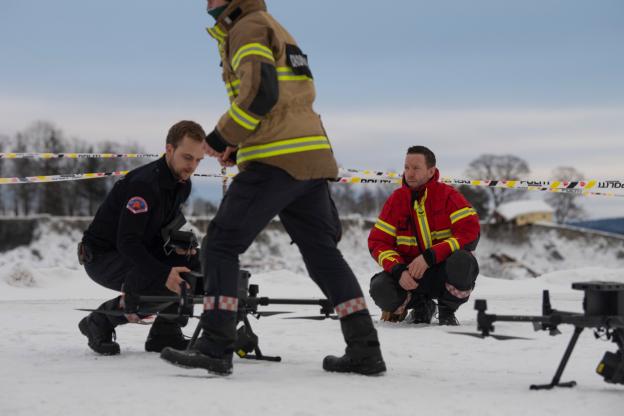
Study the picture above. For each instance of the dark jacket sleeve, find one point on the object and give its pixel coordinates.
(132, 228)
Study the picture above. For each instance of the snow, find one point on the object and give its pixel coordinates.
(47, 368)
(511, 210)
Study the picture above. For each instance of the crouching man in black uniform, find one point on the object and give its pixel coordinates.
(123, 243)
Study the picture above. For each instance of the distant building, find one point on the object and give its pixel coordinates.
(523, 212)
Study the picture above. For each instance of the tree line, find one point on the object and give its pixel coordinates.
(83, 197)
(71, 198)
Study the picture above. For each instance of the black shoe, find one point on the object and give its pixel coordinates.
(345, 364)
(423, 313)
(100, 340)
(446, 316)
(156, 343)
(195, 359)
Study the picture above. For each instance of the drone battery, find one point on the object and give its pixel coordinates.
(245, 343)
(610, 365)
(602, 298)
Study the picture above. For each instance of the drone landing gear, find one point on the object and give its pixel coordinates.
(555, 381)
(247, 341)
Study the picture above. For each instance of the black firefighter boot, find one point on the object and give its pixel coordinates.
(100, 329)
(167, 333)
(423, 312)
(363, 355)
(446, 313)
(163, 334)
(208, 353)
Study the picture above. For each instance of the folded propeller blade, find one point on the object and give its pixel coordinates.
(314, 318)
(116, 312)
(271, 313)
(498, 337)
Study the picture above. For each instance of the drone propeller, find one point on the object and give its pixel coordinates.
(498, 337)
(153, 310)
(315, 318)
(271, 313)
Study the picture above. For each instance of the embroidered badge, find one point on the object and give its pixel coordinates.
(137, 205)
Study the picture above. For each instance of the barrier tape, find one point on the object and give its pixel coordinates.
(73, 155)
(60, 178)
(81, 176)
(597, 188)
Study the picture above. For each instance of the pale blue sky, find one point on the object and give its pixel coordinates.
(542, 79)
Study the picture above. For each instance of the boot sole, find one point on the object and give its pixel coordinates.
(185, 362)
(82, 325)
(368, 370)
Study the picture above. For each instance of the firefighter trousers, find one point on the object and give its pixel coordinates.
(308, 214)
(112, 269)
(450, 282)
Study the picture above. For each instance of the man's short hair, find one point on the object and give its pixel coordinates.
(430, 159)
(185, 128)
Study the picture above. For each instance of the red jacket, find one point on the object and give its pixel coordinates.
(444, 221)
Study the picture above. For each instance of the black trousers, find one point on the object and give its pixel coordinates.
(309, 216)
(112, 269)
(450, 281)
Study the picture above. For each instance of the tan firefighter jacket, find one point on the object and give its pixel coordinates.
(271, 92)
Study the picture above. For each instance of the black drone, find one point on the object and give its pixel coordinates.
(604, 311)
(248, 303)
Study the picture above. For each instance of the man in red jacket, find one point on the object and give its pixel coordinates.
(423, 240)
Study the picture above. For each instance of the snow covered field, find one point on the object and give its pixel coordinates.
(46, 367)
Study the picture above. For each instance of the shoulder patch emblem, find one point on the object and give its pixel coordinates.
(137, 205)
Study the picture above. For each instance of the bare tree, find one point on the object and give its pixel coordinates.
(566, 204)
(499, 168)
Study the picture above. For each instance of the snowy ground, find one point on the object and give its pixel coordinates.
(46, 367)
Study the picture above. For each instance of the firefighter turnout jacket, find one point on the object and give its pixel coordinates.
(434, 220)
(271, 90)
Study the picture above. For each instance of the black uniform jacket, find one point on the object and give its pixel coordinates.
(133, 213)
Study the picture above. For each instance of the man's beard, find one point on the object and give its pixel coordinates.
(177, 173)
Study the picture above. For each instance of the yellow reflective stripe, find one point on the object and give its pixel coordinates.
(407, 241)
(287, 74)
(283, 147)
(441, 235)
(251, 49)
(233, 88)
(242, 118)
(422, 221)
(385, 227)
(461, 214)
(453, 243)
(387, 255)
(216, 33)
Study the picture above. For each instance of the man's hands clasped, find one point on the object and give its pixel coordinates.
(415, 271)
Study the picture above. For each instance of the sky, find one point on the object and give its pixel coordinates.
(539, 79)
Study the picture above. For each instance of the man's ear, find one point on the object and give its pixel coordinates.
(431, 172)
(169, 149)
